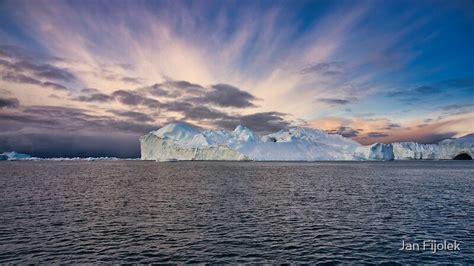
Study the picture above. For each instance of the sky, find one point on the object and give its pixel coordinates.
(87, 78)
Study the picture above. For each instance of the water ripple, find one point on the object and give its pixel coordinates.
(201, 212)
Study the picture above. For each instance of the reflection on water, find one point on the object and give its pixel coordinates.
(223, 212)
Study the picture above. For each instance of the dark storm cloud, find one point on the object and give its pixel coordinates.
(9, 103)
(262, 123)
(219, 95)
(376, 135)
(324, 68)
(194, 112)
(47, 131)
(136, 116)
(347, 132)
(49, 144)
(225, 95)
(133, 98)
(334, 101)
(204, 113)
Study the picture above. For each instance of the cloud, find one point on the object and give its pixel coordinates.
(269, 56)
(392, 126)
(220, 95)
(452, 88)
(49, 144)
(174, 89)
(376, 135)
(347, 132)
(9, 103)
(324, 68)
(136, 116)
(454, 109)
(132, 98)
(225, 95)
(333, 101)
(43, 70)
(371, 130)
(262, 123)
(95, 97)
(54, 85)
(20, 78)
(52, 131)
(23, 79)
(422, 91)
(131, 80)
(25, 68)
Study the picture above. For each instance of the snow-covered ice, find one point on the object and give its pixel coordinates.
(15, 156)
(450, 148)
(180, 141)
(415, 151)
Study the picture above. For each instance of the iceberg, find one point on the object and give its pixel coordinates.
(180, 141)
(376, 151)
(460, 148)
(16, 156)
(415, 151)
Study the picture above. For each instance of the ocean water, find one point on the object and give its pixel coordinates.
(229, 212)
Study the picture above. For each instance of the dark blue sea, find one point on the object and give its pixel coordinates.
(230, 212)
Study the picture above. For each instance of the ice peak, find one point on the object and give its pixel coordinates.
(177, 131)
(243, 133)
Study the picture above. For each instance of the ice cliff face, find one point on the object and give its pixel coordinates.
(415, 151)
(376, 151)
(451, 148)
(180, 141)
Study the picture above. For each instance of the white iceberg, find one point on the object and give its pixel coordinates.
(460, 148)
(16, 156)
(415, 151)
(376, 151)
(178, 141)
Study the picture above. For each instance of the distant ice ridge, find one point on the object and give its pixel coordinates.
(451, 148)
(15, 156)
(179, 141)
